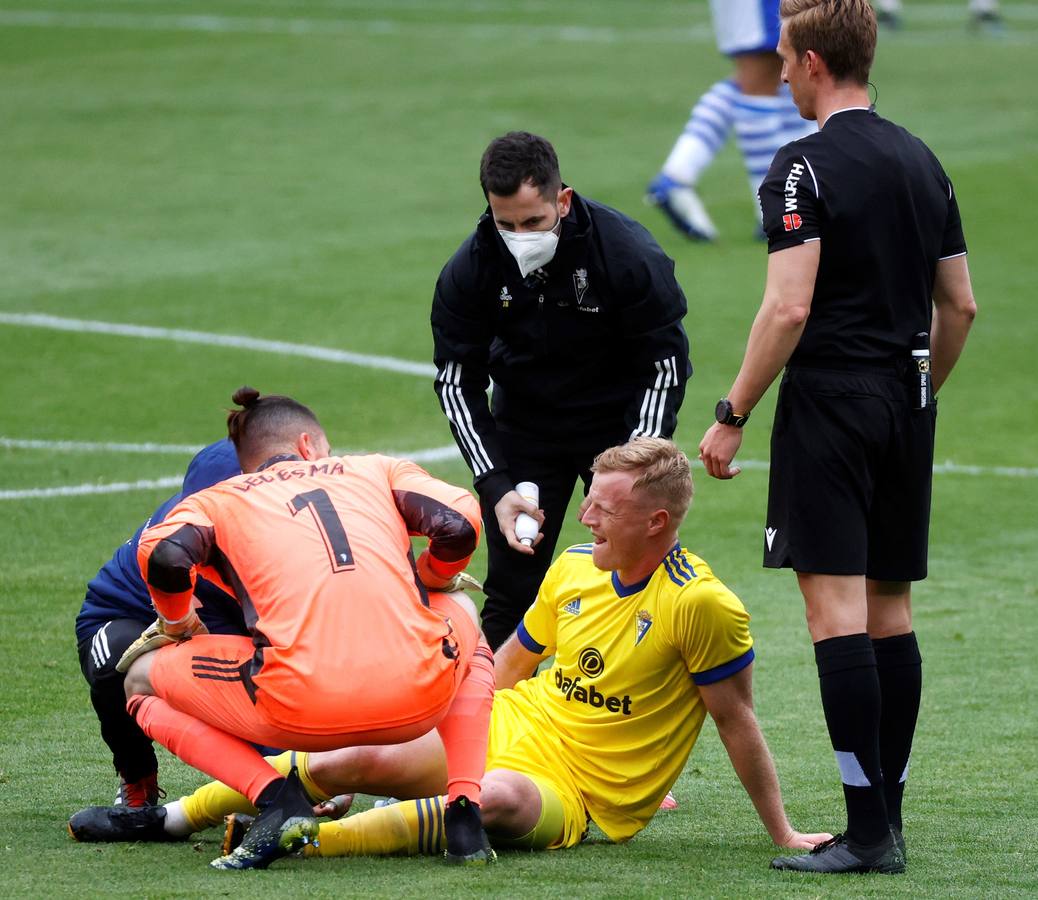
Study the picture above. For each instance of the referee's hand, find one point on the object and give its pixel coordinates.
(718, 449)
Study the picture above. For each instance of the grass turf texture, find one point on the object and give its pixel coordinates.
(304, 182)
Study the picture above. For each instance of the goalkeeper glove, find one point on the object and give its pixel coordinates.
(159, 634)
(462, 582)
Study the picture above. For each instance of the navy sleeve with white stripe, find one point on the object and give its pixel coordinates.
(656, 346)
(461, 337)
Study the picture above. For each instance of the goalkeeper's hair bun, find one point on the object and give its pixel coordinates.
(266, 421)
(246, 396)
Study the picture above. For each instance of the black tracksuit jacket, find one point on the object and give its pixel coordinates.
(591, 346)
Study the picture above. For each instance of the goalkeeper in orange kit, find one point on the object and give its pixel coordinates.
(347, 646)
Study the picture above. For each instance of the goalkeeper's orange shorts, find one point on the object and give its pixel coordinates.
(208, 678)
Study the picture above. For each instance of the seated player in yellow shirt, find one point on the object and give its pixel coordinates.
(646, 642)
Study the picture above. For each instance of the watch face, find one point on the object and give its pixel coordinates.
(723, 410)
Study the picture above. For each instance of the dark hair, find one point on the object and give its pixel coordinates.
(266, 422)
(519, 157)
(842, 32)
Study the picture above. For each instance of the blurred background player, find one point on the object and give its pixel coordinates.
(753, 102)
(347, 646)
(572, 311)
(646, 641)
(117, 607)
(984, 14)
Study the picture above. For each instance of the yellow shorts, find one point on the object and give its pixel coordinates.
(521, 741)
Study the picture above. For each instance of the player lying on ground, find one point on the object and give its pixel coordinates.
(646, 642)
(347, 645)
(117, 607)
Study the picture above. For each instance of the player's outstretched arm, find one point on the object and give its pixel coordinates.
(730, 704)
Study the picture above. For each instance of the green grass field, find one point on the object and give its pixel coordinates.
(298, 172)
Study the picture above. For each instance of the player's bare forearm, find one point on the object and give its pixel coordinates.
(751, 759)
(513, 662)
(748, 752)
(730, 704)
(953, 315)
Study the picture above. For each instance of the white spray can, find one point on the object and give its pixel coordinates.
(526, 527)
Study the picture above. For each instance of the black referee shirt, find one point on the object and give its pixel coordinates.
(885, 213)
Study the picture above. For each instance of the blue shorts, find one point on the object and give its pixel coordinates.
(745, 26)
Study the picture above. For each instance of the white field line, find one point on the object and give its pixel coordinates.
(429, 454)
(240, 342)
(79, 490)
(98, 447)
(952, 17)
(298, 25)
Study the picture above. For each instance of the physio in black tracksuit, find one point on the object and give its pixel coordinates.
(571, 311)
(866, 268)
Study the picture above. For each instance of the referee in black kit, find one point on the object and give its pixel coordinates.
(867, 264)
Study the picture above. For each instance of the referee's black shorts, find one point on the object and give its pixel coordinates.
(851, 466)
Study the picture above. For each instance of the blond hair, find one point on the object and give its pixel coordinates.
(841, 32)
(665, 472)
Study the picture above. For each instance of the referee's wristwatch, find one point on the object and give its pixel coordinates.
(726, 415)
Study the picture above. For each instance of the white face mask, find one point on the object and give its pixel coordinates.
(532, 249)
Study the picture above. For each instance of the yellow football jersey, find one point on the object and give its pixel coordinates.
(622, 690)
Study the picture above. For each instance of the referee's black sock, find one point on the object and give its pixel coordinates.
(901, 682)
(851, 701)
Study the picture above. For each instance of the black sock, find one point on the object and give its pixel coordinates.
(851, 701)
(901, 682)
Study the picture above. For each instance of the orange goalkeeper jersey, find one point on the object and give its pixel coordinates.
(319, 556)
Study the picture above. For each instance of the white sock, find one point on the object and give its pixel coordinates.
(705, 133)
(176, 822)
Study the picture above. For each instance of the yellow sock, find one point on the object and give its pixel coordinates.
(207, 806)
(284, 762)
(407, 828)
